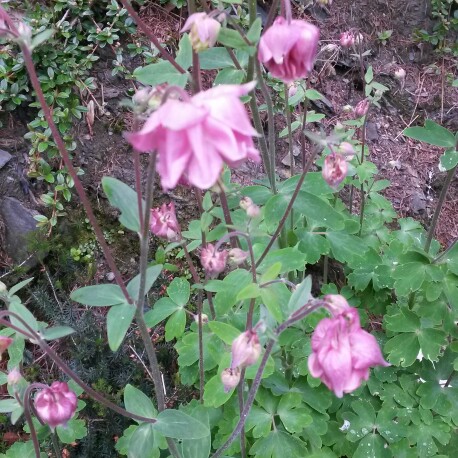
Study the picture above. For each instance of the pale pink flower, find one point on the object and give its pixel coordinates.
(342, 352)
(347, 150)
(237, 256)
(289, 50)
(245, 202)
(203, 31)
(213, 262)
(14, 376)
(164, 222)
(347, 39)
(245, 349)
(56, 404)
(361, 108)
(335, 169)
(230, 378)
(195, 138)
(5, 342)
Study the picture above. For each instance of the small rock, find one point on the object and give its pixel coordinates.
(20, 225)
(371, 131)
(418, 202)
(5, 157)
(110, 276)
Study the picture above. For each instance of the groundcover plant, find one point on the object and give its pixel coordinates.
(275, 366)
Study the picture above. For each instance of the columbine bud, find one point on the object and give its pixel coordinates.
(361, 108)
(347, 150)
(237, 256)
(347, 39)
(292, 90)
(56, 404)
(245, 349)
(204, 318)
(359, 38)
(230, 378)
(245, 203)
(164, 222)
(14, 376)
(334, 170)
(213, 262)
(204, 31)
(253, 211)
(5, 342)
(141, 97)
(400, 73)
(343, 367)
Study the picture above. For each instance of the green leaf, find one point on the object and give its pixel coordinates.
(312, 94)
(178, 425)
(409, 277)
(293, 416)
(345, 247)
(249, 292)
(141, 444)
(159, 73)
(423, 435)
(403, 349)
(271, 273)
(278, 443)
(152, 272)
(300, 296)
(259, 421)
(8, 405)
(432, 133)
(215, 58)
(162, 309)
(226, 332)
(230, 76)
(274, 297)
(14, 289)
(214, 394)
(99, 295)
(290, 259)
(137, 402)
(369, 76)
(179, 291)
(449, 159)
(119, 318)
(175, 325)
(254, 32)
(41, 37)
(74, 429)
(184, 54)
(22, 450)
(15, 306)
(232, 39)
(312, 245)
(56, 332)
(125, 198)
(372, 446)
(197, 448)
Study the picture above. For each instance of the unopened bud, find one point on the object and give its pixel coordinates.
(14, 376)
(204, 318)
(237, 256)
(245, 203)
(359, 38)
(230, 378)
(336, 303)
(347, 108)
(25, 33)
(292, 90)
(253, 211)
(334, 170)
(204, 31)
(5, 342)
(245, 349)
(361, 108)
(347, 150)
(400, 73)
(347, 39)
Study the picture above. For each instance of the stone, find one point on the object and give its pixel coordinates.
(5, 157)
(110, 276)
(19, 227)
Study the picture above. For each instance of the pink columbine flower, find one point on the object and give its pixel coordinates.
(347, 39)
(230, 378)
(361, 108)
(164, 222)
(195, 138)
(342, 352)
(335, 169)
(204, 31)
(56, 404)
(5, 342)
(347, 150)
(245, 349)
(213, 262)
(289, 50)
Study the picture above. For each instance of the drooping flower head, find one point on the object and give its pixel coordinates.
(195, 138)
(56, 404)
(5, 342)
(335, 169)
(288, 50)
(203, 31)
(342, 352)
(347, 39)
(361, 108)
(213, 262)
(164, 222)
(245, 349)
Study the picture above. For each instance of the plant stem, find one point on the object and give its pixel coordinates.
(145, 29)
(71, 171)
(270, 124)
(272, 13)
(288, 208)
(363, 196)
(55, 444)
(227, 213)
(437, 211)
(241, 403)
(28, 419)
(290, 134)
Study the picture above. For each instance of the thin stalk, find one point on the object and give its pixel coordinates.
(270, 123)
(72, 172)
(241, 403)
(227, 214)
(304, 122)
(363, 195)
(201, 348)
(272, 13)
(437, 211)
(325, 269)
(145, 29)
(28, 419)
(288, 208)
(290, 134)
(55, 445)
(138, 180)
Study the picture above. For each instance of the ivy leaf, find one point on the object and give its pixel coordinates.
(278, 443)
